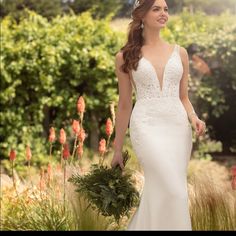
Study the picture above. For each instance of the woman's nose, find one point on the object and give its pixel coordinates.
(163, 13)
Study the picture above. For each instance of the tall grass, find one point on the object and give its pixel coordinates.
(84, 216)
(29, 211)
(43, 210)
(212, 201)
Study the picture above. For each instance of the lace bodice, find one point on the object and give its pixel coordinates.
(146, 82)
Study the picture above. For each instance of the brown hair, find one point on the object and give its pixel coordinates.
(131, 50)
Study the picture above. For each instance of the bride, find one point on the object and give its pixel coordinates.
(161, 121)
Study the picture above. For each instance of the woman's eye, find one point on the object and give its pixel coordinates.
(158, 9)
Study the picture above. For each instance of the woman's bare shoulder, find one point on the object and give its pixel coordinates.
(183, 51)
(119, 57)
(183, 54)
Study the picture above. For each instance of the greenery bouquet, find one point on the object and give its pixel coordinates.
(110, 190)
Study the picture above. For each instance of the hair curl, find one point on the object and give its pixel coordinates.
(131, 50)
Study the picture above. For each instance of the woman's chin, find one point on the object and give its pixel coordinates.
(162, 24)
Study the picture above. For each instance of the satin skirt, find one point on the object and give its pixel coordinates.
(161, 137)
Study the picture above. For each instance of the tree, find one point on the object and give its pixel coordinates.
(45, 8)
(52, 8)
(100, 8)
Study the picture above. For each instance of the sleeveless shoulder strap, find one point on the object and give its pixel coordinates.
(132, 81)
(177, 48)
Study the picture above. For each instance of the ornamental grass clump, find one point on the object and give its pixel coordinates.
(109, 190)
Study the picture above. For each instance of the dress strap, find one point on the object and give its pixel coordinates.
(132, 81)
(177, 48)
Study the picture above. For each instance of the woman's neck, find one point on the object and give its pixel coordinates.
(152, 38)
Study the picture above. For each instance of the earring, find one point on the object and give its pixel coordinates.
(142, 26)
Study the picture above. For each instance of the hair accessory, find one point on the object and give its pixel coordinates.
(136, 4)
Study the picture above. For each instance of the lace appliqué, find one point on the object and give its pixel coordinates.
(146, 82)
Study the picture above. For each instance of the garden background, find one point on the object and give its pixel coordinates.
(52, 53)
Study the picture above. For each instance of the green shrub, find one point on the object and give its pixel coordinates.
(45, 66)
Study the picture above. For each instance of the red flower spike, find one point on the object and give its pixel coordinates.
(62, 138)
(102, 146)
(109, 127)
(76, 126)
(52, 135)
(12, 155)
(66, 151)
(81, 105)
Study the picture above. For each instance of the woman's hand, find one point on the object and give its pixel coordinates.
(198, 125)
(117, 160)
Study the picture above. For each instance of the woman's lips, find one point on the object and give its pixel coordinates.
(162, 21)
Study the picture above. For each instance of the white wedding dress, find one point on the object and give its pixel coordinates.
(161, 137)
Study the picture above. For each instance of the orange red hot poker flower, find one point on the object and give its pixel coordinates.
(52, 135)
(102, 146)
(82, 135)
(109, 127)
(80, 105)
(12, 155)
(66, 151)
(76, 126)
(62, 138)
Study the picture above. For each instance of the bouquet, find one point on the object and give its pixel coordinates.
(110, 190)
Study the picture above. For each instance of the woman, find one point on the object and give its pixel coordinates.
(160, 122)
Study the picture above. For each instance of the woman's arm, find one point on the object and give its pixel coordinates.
(198, 124)
(123, 110)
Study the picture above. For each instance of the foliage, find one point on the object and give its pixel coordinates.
(110, 190)
(15, 8)
(45, 66)
(99, 9)
(53, 8)
(206, 146)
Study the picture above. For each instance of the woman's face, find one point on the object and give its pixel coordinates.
(157, 16)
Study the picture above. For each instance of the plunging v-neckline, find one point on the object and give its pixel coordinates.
(160, 82)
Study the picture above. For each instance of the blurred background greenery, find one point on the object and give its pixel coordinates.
(54, 51)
